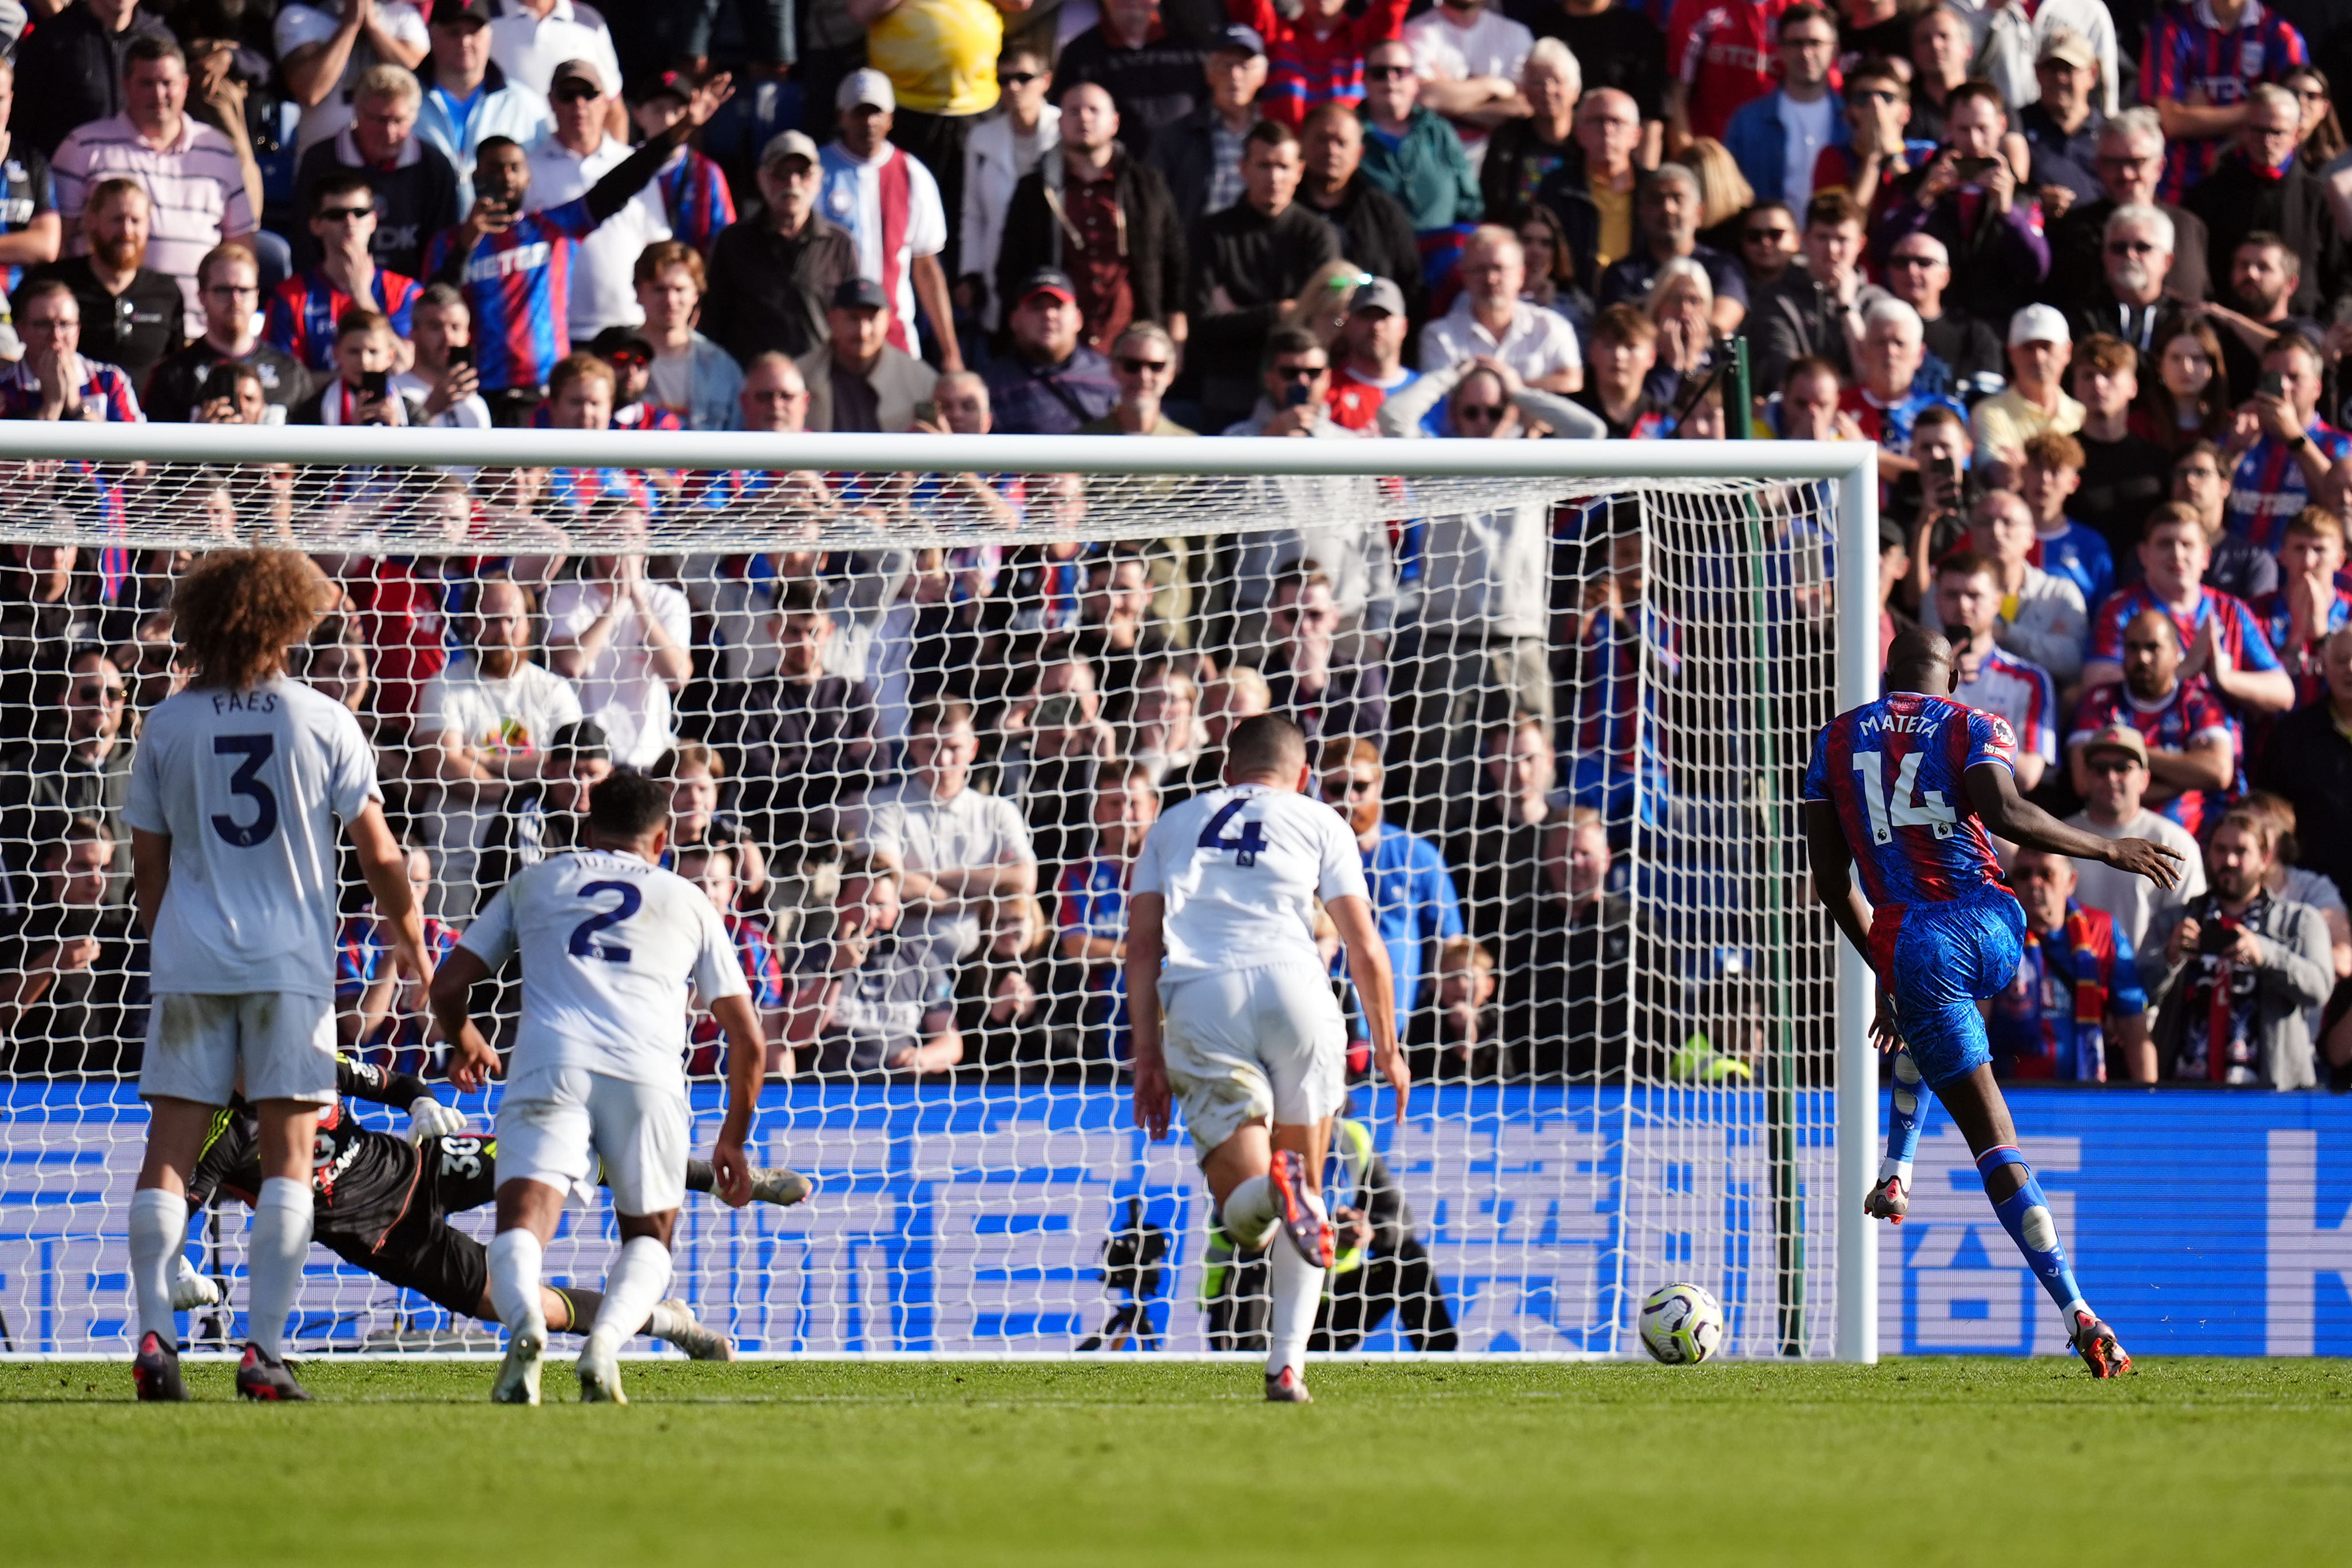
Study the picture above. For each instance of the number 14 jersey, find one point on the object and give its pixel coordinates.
(1893, 769)
(1240, 868)
(611, 945)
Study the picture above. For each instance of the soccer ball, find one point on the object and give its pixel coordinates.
(1681, 1325)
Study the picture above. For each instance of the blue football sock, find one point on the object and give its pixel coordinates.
(1903, 1116)
(2025, 1215)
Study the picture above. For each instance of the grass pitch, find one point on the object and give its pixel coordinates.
(1911, 1463)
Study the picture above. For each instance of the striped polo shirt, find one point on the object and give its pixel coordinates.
(196, 185)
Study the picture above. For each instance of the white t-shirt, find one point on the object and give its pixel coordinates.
(1537, 343)
(928, 834)
(2134, 901)
(527, 50)
(1240, 868)
(1806, 127)
(1492, 46)
(604, 293)
(520, 714)
(620, 690)
(611, 944)
(250, 788)
(299, 25)
(851, 199)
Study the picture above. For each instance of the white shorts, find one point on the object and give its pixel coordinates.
(1254, 1044)
(555, 1123)
(283, 1045)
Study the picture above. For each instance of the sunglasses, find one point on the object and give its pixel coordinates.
(2112, 764)
(1302, 372)
(88, 693)
(344, 214)
(1384, 73)
(628, 359)
(1769, 236)
(576, 92)
(1140, 367)
(1912, 259)
(1339, 788)
(1016, 78)
(2130, 248)
(1873, 95)
(1477, 412)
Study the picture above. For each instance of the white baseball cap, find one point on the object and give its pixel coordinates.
(867, 85)
(2039, 324)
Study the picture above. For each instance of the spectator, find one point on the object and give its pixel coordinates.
(53, 380)
(2288, 461)
(1670, 214)
(441, 382)
(868, 1000)
(773, 274)
(1583, 970)
(1469, 57)
(1490, 321)
(2062, 124)
(2231, 1005)
(1372, 231)
(1769, 250)
(1092, 897)
(1052, 382)
(1413, 895)
(365, 351)
(2310, 605)
(1373, 341)
(1148, 61)
(1815, 313)
(228, 284)
(1624, 349)
(890, 204)
(2234, 564)
(1625, 660)
(2201, 70)
(2040, 343)
(1806, 408)
(2130, 164)
(715, 869)
(1593, 198)
(131, 315)
(467, 99)
(73, 66)
(551, 815)
(1001, 148)
(196, 178)
(325, 52)
(1330, 685)
(1968, 610)
(2049, 481)
(532, 39)
(1200, 156)
(2308, 761)
(413, 184)
(1778, 137)
(2219, 636)
(2303, 885)
(73, 984)
(1102, 221)
(2131, 303)
(1961, 350)
(2122, 472)
(1499, 851)
(692, 376)
(695, 195)
(2191, 748)
(1249, 262)
(1237, 693)
(1888, 402)
(1456, 1032)
(510, 266)
(1719, 57)
(1616, 46)
(303, 312)
(621, 639)
(1875, 107)
(1943, 42)
(2075, 1012)
(1320, 56)
(2266, 189)
(938, 60)
(1409, 150)
(2113, 767)
(1991, 230)
(1524, 150)
(564, 168)
(2264, 276)
(1143, 361)
(2042, 616)
(78, 765)
(30, 234)
(804, 740)
(2187, 400)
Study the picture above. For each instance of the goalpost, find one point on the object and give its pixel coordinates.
(1673, 1084)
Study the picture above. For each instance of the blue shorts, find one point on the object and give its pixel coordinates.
(1943, 959)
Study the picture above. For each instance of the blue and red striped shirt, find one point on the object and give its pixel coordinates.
(695, 195)
(517, 284)
(2302, 663)
(303, 312)
(2188, 48)
(1305, 70)
(763, 967)
(2190, 715)
(2239, 633)
(1893, 769)
(2267, 489)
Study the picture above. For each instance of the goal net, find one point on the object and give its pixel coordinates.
(1564, 690)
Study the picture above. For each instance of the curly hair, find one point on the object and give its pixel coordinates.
(237, 612)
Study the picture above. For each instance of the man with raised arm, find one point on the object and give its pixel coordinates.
(1252, 1042)
(1913, 786)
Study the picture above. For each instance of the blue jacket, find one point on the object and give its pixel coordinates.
(718, 388)
(1758, 143)
(1414, 906)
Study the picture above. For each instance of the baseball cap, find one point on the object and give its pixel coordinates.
(2067, 44)
(582, 737)
(1046, 280)
(669, 84)
(2037, 324)
(1237, 38)
(860, 294)
(447, 15)
(788, 144)
(867, 85)
(615, 340)
(574, 71)
(1379, 294)
(2119, 737)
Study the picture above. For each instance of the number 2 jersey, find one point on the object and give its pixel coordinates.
(1240, 868)
(1893, 769)
(611, 945)
(249, 787)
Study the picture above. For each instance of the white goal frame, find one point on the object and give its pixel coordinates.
(1850, 466)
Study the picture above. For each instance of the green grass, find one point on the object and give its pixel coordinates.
(1993, 1464)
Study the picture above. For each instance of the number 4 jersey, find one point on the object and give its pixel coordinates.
(1893, 770)
(611, 945)
(1240, 868)
(250, 787)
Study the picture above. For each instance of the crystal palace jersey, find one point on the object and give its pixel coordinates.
(2187, 48)
(304, 310)
(2234, 625)
(2022, 694)
(517, 284)
(2267, 488)
(1893, 769)
(1721, 51)
(2190, 716)
(2302, 660)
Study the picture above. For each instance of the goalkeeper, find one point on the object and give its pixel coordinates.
(383, 1202)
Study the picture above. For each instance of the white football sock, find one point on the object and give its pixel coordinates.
(275, 1247)
(159, 1224)
(1297, 1291)
(632, 1289)
(1249, 1213)
(514, 1282)
(665, 1321)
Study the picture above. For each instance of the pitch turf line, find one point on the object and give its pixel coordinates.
(1915, 1463)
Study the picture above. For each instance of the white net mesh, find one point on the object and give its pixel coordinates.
(1581, 709)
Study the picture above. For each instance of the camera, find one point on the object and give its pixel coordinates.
(2216, 938)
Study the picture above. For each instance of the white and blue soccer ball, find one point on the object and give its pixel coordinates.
(1681, 1325)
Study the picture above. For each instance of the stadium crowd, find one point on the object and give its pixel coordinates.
(2081, 272)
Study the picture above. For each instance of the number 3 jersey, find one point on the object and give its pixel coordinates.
(1240, 868)
(249, 787)
(1893, 770)
(611, 945)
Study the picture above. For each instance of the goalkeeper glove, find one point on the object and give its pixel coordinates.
(429, 1119)
(191, 1289)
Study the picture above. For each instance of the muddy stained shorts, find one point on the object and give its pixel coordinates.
(1254, 1044)
(196, 1043)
